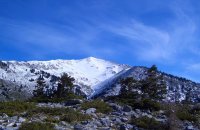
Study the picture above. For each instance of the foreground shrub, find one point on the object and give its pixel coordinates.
(184, 112)
(15, 107)
(36, 126)
(144, 104)
(186, 115)
(44, 99)
(149, 123)
(66, 114)
(151, 105)
(101, 106)
(75, 117)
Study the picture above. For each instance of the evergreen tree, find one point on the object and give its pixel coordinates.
(127, 86)
(65, 85)
(153, 86)
(39, 91)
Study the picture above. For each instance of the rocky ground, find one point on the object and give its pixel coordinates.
(120, 118)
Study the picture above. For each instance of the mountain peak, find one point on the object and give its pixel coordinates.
(87, 72)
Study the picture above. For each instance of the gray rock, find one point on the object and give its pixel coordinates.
(4, 116)
(96, 123)
(189, 127)
(104, 128)
(117, 121)
(10, 124)
(90, 110)
(138, 111)
(126, 127)
(84, 122)
(14, 118)
(127, 108)
(63, 123)
(116, 113)
(196, 107)
(115, 107)
(21, 119)
(124, 119)
(134, 114)
(105, 122)
(126, 113)
(78, 127)
(73, 102)
(123, 127)
(2, 127)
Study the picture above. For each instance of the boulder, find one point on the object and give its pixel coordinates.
(196, 107)
(78, 127)
(106, 122)
(73, 102)
(115, 106)
(127, 108)
(117, 120)
(90, 111)
(126, 127)
(124, 119)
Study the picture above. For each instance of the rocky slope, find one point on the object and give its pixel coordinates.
(178, 89)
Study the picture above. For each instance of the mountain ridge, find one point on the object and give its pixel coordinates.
(92, 75)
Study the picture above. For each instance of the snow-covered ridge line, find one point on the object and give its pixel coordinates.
(87, 72)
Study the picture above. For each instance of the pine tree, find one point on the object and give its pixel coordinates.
(65, 85)
(127, 85)
(39, 91)
(153, 86)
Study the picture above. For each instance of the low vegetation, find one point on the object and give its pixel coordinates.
(149, 123)
(184, 113)
(144, 104)
(36, 126)
(15, 107)
(65, 114)
(100, 105)
(44, 99)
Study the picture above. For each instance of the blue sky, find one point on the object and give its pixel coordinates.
(134, 32)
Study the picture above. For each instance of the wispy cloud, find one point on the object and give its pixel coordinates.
(148, 42)
(151, 43)
(35, 37)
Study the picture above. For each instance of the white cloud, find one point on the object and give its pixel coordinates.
(34, 37)
(151, 43)
(147, 42)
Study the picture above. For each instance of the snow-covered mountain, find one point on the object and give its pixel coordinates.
(94, 77)
(87, 72)
(178, 88)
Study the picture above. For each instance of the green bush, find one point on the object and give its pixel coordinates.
(101, 106)
(75, 117)
(149, 123)
(44, 99)
(50, 111)
(183, 112)
(151, 105)
(144, 104)
(185, 115)
(66, 114)
(36, 126)
(15, 107)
